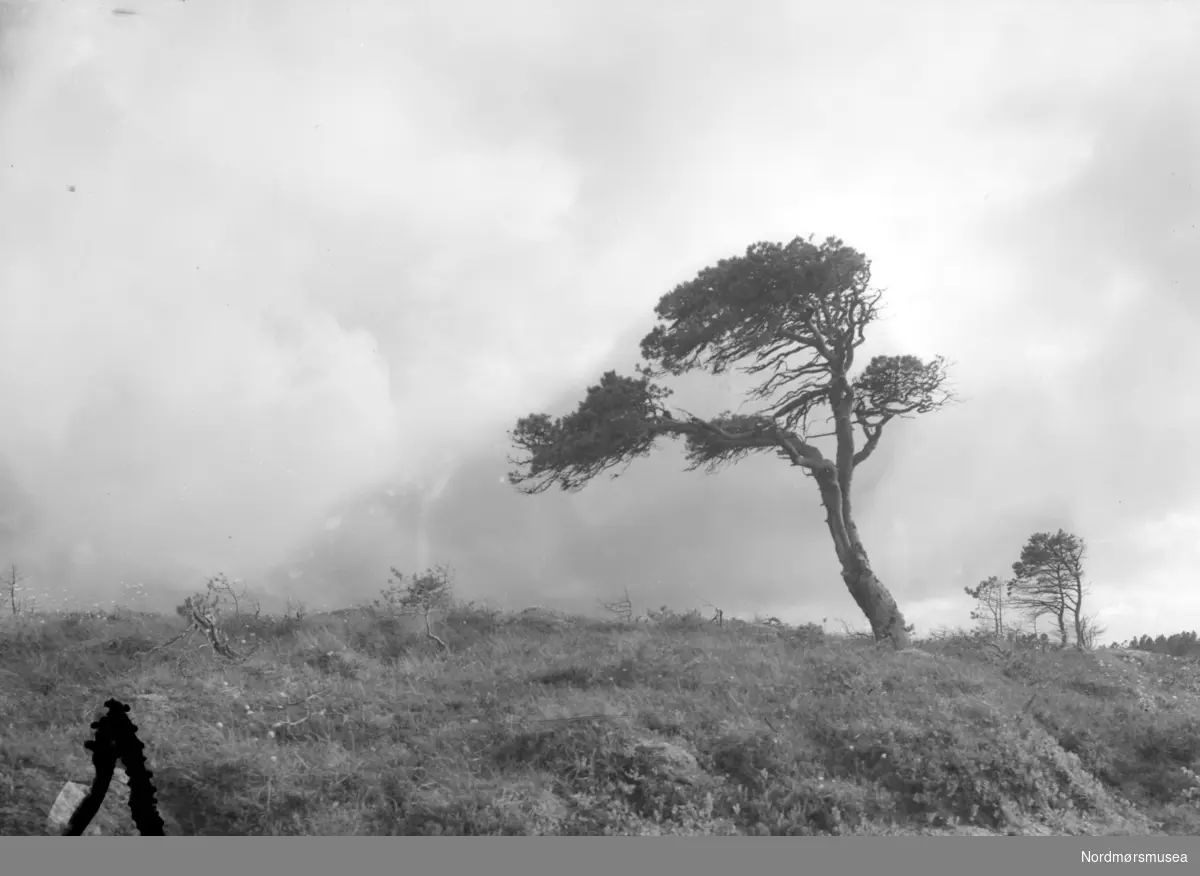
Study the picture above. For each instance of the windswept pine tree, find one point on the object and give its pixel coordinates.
(793, 315)
(1048, 581)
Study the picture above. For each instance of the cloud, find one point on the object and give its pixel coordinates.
(313, 252)
(234, 286)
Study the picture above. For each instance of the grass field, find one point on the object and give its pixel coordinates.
(538, 723)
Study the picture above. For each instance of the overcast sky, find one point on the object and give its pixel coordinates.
(259, 260)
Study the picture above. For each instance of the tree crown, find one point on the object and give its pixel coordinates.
(792, 314)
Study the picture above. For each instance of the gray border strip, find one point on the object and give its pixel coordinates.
(493, 856)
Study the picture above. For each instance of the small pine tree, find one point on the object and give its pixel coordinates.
(991, 600)
(422, 595)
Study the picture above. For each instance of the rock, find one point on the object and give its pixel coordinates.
(113, 816)
(67, 802)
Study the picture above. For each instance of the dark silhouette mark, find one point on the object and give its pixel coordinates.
(116, 739)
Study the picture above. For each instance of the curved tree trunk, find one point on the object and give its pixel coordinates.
(875, 600)
(872, 597)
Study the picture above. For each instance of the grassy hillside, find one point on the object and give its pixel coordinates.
(358, 723)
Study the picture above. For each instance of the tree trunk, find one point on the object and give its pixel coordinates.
(875, 600)
(872, 597)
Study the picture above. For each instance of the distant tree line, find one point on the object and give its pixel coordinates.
(1176, 644)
